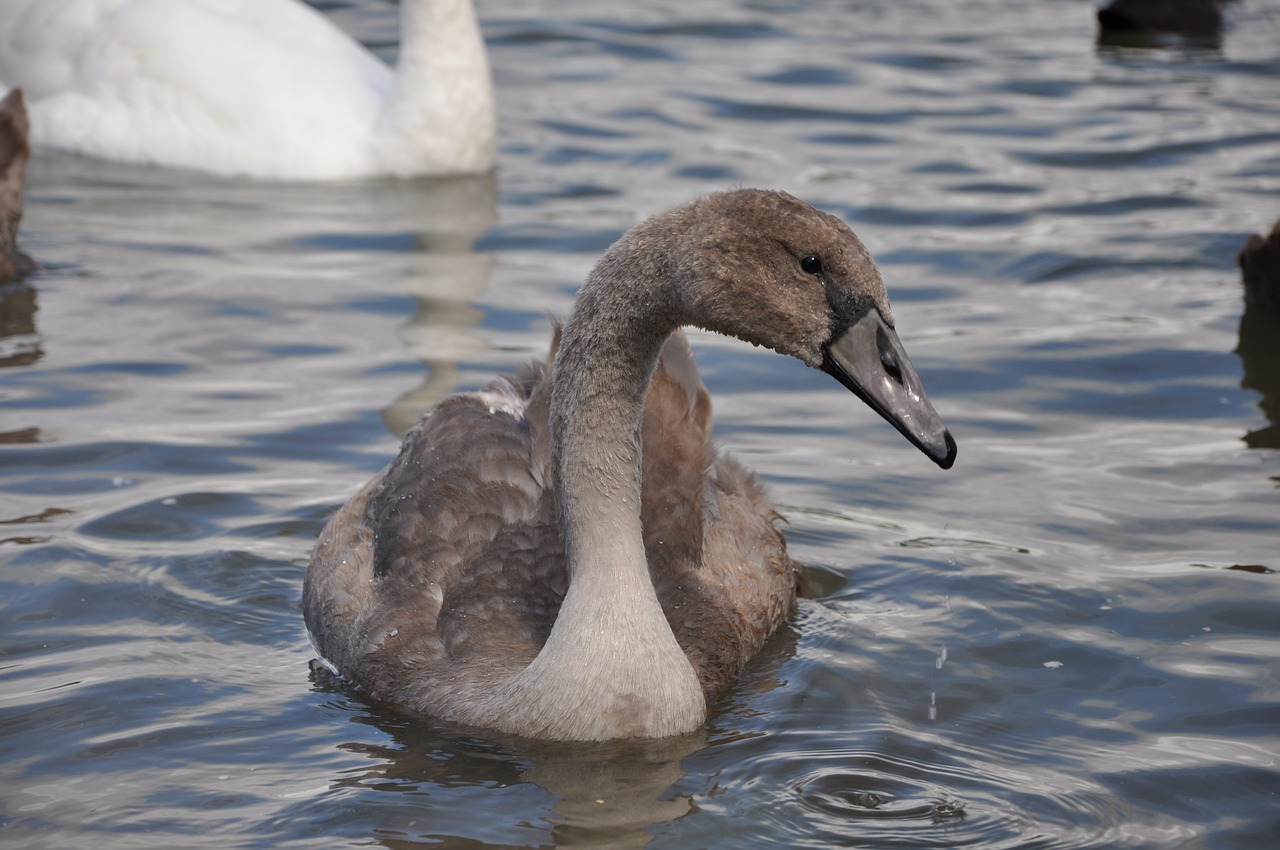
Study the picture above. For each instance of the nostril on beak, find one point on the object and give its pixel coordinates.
(891, 367)
(888, 358)
(889, 361)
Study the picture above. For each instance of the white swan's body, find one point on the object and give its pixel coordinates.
(269, 89)
(566, 554)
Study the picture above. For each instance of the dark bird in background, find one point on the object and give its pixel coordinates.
(1259, 344)
(1181, 17)
(1260, 264)
(13, 166)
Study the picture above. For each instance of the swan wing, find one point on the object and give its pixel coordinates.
(716, 557)
(446, 573)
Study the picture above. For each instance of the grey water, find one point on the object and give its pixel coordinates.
(1070, 640)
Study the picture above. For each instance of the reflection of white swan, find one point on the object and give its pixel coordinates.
(447, 216)
(565, 554)
(261, 88)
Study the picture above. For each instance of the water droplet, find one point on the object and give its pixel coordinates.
(948, 810)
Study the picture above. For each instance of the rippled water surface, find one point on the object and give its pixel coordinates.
(1070, 640)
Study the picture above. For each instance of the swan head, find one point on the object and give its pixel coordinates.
(771, 269)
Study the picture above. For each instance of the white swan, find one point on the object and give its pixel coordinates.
(565, 554)
(269, 89)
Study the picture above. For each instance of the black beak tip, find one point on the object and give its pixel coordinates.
(950, 458)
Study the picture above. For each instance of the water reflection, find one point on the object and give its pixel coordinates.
(451, 216)
(20, 345)
(432, 782)
(1259, 351)
(19, 342)
(607, 795)
(610, 795)
(240, 250)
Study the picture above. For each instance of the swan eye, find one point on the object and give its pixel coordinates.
(811, 264)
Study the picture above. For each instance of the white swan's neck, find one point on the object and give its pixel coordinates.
(441, 104)
(611, 667)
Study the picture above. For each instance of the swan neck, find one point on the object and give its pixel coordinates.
(425, 24)
(602, 376)
(611, 666)
(608, 352)
(441, 106)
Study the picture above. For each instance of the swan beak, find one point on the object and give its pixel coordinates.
(868, 358)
